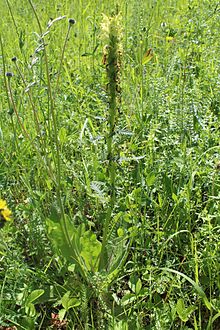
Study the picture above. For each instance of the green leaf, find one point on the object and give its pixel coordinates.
(216, 316)
(33, 296)
(30, 300)
(121, 325)
(27, 323)
(160, 200)
(127, 299)
(30, 310)
(151, 178)
(135, 284)
(68, 302)
(56, 233)
(91, 249)
(133, 231)
(132, 283)
(71, 268)
(199, 290)
(62, 313)
(58, 239)
(120, 232)
(116, 263)
(180, 308)
(81, 248)
(183, 312)
(65, 300)
(175, 198)
(138, 286)
(62, 135)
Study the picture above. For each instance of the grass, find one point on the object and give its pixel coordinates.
(110, 165)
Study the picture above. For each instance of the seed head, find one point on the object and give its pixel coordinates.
(72, 21)
(163, 25)
(14, 59)
(9, 74)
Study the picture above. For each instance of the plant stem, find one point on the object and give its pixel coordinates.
(112, 64)
(54, 137)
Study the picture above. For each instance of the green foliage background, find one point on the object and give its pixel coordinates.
(161, 260)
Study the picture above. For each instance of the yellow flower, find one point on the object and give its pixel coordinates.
(111, 30)
(4, 211)
(170, 39)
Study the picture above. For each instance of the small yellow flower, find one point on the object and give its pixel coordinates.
(170, 39)
(5, 213)
(2, 204)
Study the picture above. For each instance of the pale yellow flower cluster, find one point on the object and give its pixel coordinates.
(111, 27)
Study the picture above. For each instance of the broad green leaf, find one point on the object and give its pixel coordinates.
(91, 249)
(55, 227)
(81, 247)
(58, 239)
(150, 179)
(183, 312)
(65, 300)
(135, 284)
(180, 308)
(190, 310)
(132, 283)
(62, 313)
(74, 302)
(121, 252)
(138, 286)
(34, 295)
(68, 302)
(29, 303)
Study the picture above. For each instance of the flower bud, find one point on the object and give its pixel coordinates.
(9, 74)
(72, 21)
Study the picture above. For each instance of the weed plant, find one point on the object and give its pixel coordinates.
(109, 163)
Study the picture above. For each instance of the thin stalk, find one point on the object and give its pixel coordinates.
(36, 119)
(55, 135)
(30, 99)
(71, 22)
(16, 29)
(16, 111)
(22, 127)
(8, 98)
(11, 104)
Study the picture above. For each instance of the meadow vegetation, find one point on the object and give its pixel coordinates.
(109, 164)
